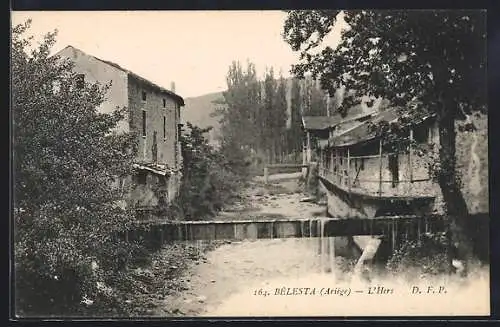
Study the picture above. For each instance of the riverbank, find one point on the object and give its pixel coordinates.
(275, 277)
(236, 265)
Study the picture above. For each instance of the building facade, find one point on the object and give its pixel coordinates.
(377, 180)
(364, 178)
(153, 115)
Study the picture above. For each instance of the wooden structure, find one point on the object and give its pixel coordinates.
(355, 160)
(274, 167)
(166, 231)
(364, 177)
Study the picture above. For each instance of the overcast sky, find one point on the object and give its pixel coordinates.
(192, 48)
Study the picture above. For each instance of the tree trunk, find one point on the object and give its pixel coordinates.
(456, 207)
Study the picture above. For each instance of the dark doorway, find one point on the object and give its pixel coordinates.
(394, 168)
(154, 148)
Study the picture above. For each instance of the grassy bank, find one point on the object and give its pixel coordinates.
(138, 290)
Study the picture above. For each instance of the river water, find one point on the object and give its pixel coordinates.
(285, 278)
(298, 277)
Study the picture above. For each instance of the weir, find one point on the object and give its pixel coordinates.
(392, 226)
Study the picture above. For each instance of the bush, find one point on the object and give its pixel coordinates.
(312, 180)
(66, 162)
(426, 256)
(211, 177)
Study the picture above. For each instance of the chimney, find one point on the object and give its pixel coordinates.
(172, 87)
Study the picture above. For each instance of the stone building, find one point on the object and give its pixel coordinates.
(153, 115)
(362, 178)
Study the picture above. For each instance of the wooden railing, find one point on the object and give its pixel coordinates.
(277, 167)
(348, 179)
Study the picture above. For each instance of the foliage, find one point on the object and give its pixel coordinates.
(210, 179)
(425, 62)
(66, 161)
(254, 114)
(295, 133)
(242, 101)
(137, 291)
(431, 56)
(258, 116)
(425, 256)
(313, 180)
(314, 98)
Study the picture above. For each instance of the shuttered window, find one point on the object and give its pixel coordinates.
(144, 123)
(164, 128)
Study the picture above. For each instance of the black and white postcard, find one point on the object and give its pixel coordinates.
(310, 163)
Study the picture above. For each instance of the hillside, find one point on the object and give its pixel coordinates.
(198, 112)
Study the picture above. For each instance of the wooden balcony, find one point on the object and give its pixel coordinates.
(378, 187)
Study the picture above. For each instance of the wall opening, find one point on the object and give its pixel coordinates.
(141, 178)
(395, 209)
(421, 134)
(154, 148)
(394, 168)
(143, 122)
(164, 128)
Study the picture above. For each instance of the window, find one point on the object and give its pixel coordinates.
(144, 96)
(141, 178)
(394, 169)
(178, 132)
(164, 127)
(421, 134)
(431, 134)
(143, 122)
(164, 103)
(154, 148)
(80, 81)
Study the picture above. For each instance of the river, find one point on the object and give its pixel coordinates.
(288, 277)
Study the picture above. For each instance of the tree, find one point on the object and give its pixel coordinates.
(241, 106)
(317, 104)
(295, 131)
(280, 117)
(209, 179)
(435, 59)
(67, 160)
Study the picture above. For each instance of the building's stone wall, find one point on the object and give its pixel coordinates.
(98, 71)
(158, 191)
(472, 164)
(365, 175)
(126, 91)
(167, 147)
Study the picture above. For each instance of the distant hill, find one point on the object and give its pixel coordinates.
(198, 110)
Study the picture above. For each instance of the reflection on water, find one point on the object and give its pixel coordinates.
(324, 290)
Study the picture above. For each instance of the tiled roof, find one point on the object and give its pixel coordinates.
(177, 97)
(324, 122)
(362, 132)
(319, 122)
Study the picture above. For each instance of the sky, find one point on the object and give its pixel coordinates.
(194, 49)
